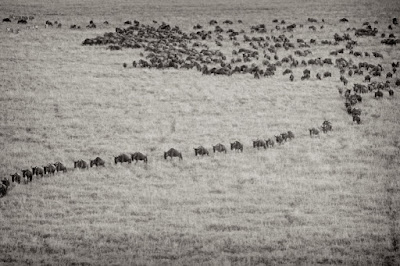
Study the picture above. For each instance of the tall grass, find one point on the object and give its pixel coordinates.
(331, 199)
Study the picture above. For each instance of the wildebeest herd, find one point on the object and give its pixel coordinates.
(164, 46)
(167, 46)
(52, 168)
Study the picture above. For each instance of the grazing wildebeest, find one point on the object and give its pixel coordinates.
(219, 147)
(200, 151)
(48, 23)
(16, 178)
(290, 135)
(291, 77)
(98, 162)
(270, 143)
(6, 20)
(259, 143)
(367, 78)
(50, 169)
(279, 139)
(318, 76)
(172, 153)
(27, 175)
(22, 21)
(37, 171)
(138, 156)
(237, 146)
(327, 74)
(389, 75)
(81, 164)
(356, 119)
(313, 131)
(378, 94)
(60, 167)
(391, 92)
(122, 158)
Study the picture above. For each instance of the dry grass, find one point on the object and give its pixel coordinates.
(333, 199)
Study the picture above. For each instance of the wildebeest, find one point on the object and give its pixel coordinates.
(6, 20)
(356, 119)
(37, 171)
(219, 147)
(81, 164)
(4, 184)
(138, 156)
(122, 158)
(22, 21)
(378, 94)
(60, 167)
(200, 151)
(16, 178)
(27, 175)
(291, 77)
(270, 143)
(285, 136)
(49, 169)
(279, 139)
(391, 92)
(237, 146)
(98, 162)
(313, 131)
(326, 126)
(172, 153)
(290, 135)
(259, 143)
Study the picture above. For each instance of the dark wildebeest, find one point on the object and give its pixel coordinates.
(279, 139)
(270, 143)
(122, 158)
(16, 178)
(6, 20)
(172, 153)
(219, 147)
(60, 167)
(22, 21)
(138, 156)
(391, 92)
(313, 131)
(37, 171)
(378, 94)
(326, 126)
(285, 136)
(4, 187)
(291, 77)
(81, 164)
(290, 135)
(49, 169)
(356, 119)
(237, 146)
(259, 143)
(200, 151)
(27, 175)
(98, 162)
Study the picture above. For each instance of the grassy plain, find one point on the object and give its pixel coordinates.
(332, 199)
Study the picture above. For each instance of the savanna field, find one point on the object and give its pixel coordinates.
(333, 198)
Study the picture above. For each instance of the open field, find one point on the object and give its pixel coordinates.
(332, 199)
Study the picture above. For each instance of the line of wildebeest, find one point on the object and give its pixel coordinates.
(51, 168)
